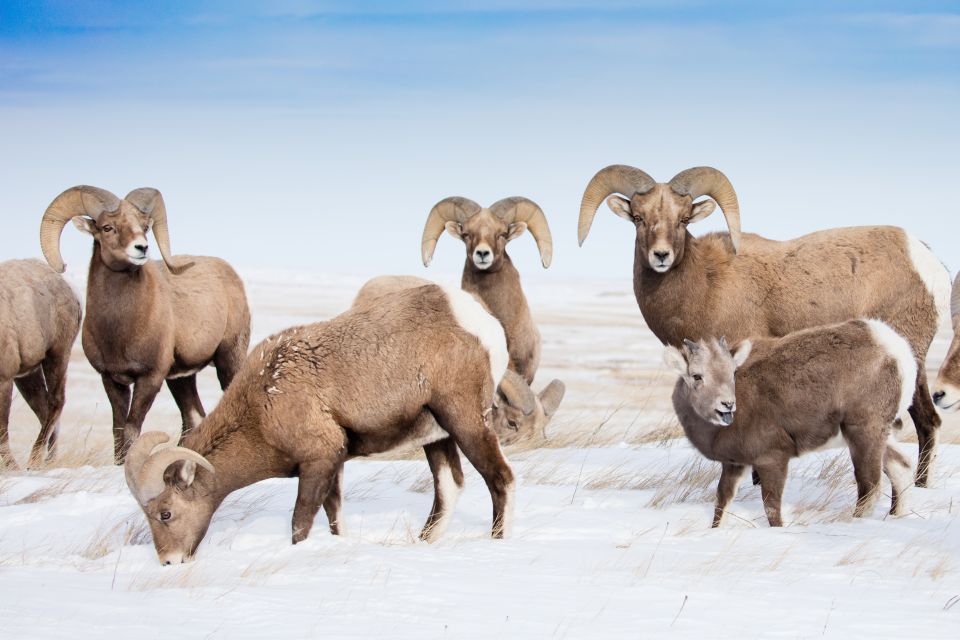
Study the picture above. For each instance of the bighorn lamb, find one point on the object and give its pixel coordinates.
(489, 272)
(39, 320)
(310, 397)
(147, 322)
(745, 285)
(760, 406)
(946, 390)
(509, 421)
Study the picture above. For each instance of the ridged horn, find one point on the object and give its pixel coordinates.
(707, 181)
(149, 202)
(520, 209)
(448, 209)
(150, 482)
(955, 302)
(76, 201)
(137, 455)
(518, 393)
(617, 178)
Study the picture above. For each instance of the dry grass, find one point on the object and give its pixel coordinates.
(132, 529)
(695, 481)
(67, 485)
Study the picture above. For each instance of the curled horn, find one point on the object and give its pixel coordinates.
(520, 209)
(149, 481)
(518, 393)
(448, 209)
(149, 202)
(955, 302)
(707, 181)
(617, 178)
(139, 451)
(75, 201)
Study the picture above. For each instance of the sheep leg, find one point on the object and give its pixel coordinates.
(866, 451)
(755, 477)
(184, 392)
(773, 477)
(333, 502)
(119, 397)
(145, 390)
(461, 419)
(227, 361)
(55, 376)
(897, 468)
(444, 461)
(34, 392)
(6, 398)
(316, 479)
(927, 422)
(726, 489)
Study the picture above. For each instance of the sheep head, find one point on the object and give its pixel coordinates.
(660, 211)
(707, 369)
(118, 226)
(523, 414)
(486, 232)
(946, 390)
(162, 479)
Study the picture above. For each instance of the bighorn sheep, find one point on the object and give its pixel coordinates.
(310, 397)
(764, 405)
(946, 390)
(39, 320)
(147, 322)
(745, 285)
(489, 272)
(509, 421)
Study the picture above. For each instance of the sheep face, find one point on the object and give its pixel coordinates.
(946, 390)
(511, 424)
(122, 236)
(180, 515)
(661, 217)
(707, 368)
(486, 237)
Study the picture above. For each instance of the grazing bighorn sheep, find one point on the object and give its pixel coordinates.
(745, 285)
(39, 320)
(489, 272)
(946, 390)
(776, 398)
(147, 322)
(509, 420)
(310, 397)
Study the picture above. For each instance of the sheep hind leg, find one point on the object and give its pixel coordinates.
(333, 503)
(462, 418)
(227, 361)
(927, 422)
(896, 466)
(6, 398)
(184, 392)
(866, 451)
(773, 477)
(34, 391)
(444, 461)
(55, 377)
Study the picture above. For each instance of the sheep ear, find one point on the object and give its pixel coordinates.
(742, 353)
(453, 228)
(181, 474)
(620, 206)
(690, 345)
(516, 230)
(701, 210)
(673, 358)
(84, 224)
(551, 396)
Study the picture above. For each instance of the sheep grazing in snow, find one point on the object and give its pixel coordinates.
(39, 320)
(773, 399)
(946, 390)
(744, 285)
(147, 322)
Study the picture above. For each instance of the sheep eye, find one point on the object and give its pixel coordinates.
(165, 515)
(697, 377)
(107, 229)
(512, 423)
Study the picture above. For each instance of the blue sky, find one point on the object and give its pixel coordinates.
(317, 135)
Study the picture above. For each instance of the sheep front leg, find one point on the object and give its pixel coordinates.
(316, 478)
(444, 461)
(333, 502)
(773, 477)
(726, 489)
(119, 397)
(6, 398)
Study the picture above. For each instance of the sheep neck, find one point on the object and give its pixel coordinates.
(114, 297)
(500, 290)
(709, 439)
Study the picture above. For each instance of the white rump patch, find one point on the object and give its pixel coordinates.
(935, 276)
(471, 315)
(899, 349)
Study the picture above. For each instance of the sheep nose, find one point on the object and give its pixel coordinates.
(142, 248)
(938, 395)
(661, 255)
(483, 254)
(728, 405)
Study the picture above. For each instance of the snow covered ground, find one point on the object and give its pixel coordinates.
(611, 539)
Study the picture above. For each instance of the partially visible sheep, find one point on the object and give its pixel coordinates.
(39, 321)
(148, 322)
(776, 398)
(946, 390)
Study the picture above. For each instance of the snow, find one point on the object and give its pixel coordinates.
(611, 537)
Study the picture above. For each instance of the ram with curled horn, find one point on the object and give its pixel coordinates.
(744, 285)
(147, 321)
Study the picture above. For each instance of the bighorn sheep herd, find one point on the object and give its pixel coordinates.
(773, 342)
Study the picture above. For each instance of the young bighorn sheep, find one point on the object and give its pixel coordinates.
(510, 420)
(744, 285)
(489, 272)
(39, 320)
(776, 398)
(310, 397)
(946, 390)
(147, 322)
